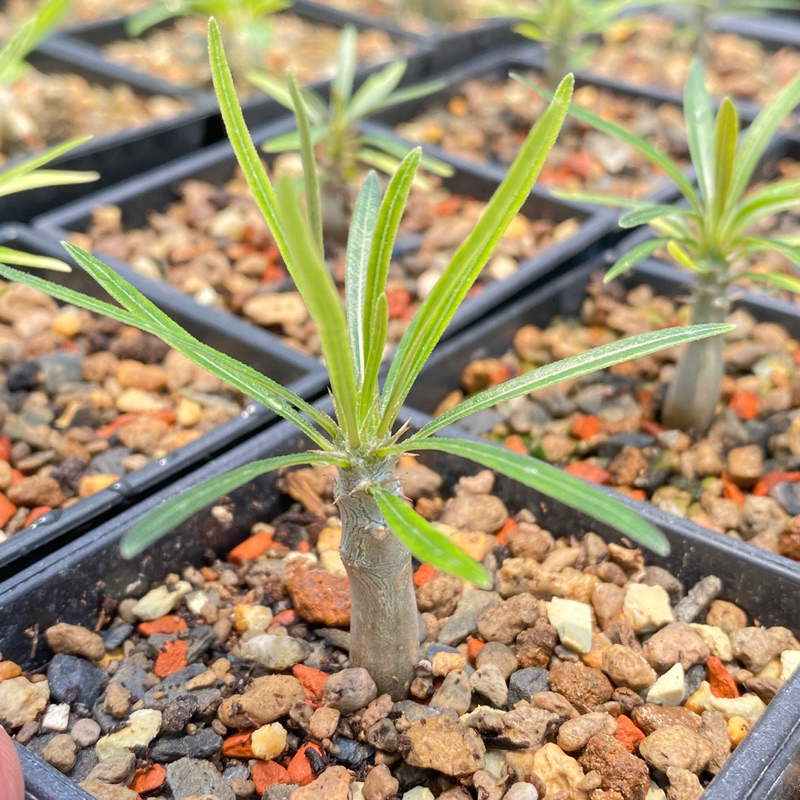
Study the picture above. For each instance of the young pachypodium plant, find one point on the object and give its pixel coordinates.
(702, 14)
(29, 174)
(340, 145)
(245, 24)
(565, 27)
(380, 532)
(711, 233)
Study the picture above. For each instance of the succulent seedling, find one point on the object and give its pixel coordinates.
(341, 145)
(710, 233)
(380, 532)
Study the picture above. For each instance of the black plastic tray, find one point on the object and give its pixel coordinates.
(75, 581)
(156, 189)
(118, 155)
(259, 109)
(300, 373)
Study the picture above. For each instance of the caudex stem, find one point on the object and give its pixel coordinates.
(384, 626)
(694, 391)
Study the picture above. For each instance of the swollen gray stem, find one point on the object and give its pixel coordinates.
(694, 391)
(384, 626)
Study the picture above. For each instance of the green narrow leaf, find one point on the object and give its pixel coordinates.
(682, 257)
(359, 247)
(647, 214)
(309, 161)
(573, 367)
(726, 134)
(632, 257)
(342, 83)
(426, 543)
(10, 256)
(246, 379)
(375, 89)
(16, 48)
(174, 511)
(554, 483)
(776, 279)
(400, 149)
(43, 178)
(772, 199)
(389, 216)
(142, 21)
(315, 284)
(278, 90)
(52, 153)
(760, 133)
(596, 198)
(699, 128)
(636, 142)
(374, 346)
(757, 244)
(409, 93)
(438, 308)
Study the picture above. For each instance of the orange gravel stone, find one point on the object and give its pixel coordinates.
(37, 512)
(588, 471)
(171, 623)
(5, 447)
(722, 682)
(8, 669)
(474, 646)
(172, 658)
(209, 574)
(285, 618)
(148, 779)
(635, 494)
(745, 405)
(320, 596)
(586, 427)
(398, 301)
(516, 444)
(423, 574)
(299, 770)
(268, 773)
(238, 746)
(731, 491)
(251, 548)
(509, 526)
(313, 682)
(765, 484)
(7, 509)
(627, 734)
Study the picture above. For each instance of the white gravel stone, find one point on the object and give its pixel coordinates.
(647, 608)
(573, 621)
(143, 726)
(719, 643)
(670, 688)
(160, 601)
(56, 718)
(790, 661)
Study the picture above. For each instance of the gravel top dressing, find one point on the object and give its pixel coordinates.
(179, 53)
(652, 50)
(214, 245)
(741, 478)
(488, 121)
(84, 401)
(584, 673)
(44, 109)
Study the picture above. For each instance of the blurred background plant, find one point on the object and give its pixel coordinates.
(342, 146)
(245, 25)
(710, 233)
(29, 174)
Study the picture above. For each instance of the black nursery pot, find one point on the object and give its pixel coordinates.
(157, 189)
(71, 585)
(303, 375)
(115, 156)
(92, 37)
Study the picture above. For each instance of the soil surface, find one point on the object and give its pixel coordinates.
(583, 673)
(44, 109)
(85, 401)
(487, 120)
(179, 53)
(214, 244)
(652, 50)
(15, 12)
(741, 478)
(422, 17)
